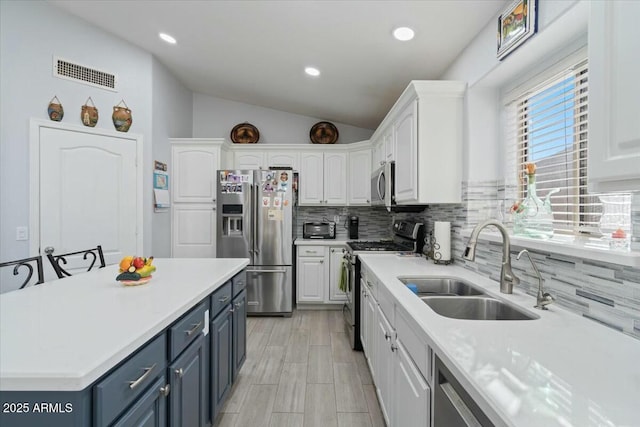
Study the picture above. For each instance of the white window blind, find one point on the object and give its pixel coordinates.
(548, 126)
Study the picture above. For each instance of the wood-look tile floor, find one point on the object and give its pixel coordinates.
(301, 372)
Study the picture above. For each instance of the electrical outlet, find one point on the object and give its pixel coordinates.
(22, 233)
(336, 219)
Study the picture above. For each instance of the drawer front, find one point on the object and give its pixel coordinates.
(385, 300)
(187, 329)
(416, 346)
(116, 392)
(239, 282)
(221, 298)
(304, 251)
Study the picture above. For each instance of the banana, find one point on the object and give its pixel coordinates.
(148, 261)
(147, 270)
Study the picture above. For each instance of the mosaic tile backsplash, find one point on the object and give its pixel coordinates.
(374, 222)
(603, 292)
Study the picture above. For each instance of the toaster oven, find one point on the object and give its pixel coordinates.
(319, 230)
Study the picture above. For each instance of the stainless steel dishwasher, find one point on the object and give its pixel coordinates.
(452, 406)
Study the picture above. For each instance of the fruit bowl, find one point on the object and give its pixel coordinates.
(135, 270)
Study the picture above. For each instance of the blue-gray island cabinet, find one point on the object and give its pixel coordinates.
(87, 351)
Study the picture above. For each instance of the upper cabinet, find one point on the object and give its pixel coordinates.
(323, 178)
(283, 159)
(194, 164)
(426, 141)
(360, 177)
(249, 160)
(614, 91)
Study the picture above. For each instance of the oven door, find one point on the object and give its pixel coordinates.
(351, 309)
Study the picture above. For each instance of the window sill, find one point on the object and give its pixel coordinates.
(579, 247)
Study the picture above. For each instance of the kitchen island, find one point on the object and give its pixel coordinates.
(60, 338)
(558, 369)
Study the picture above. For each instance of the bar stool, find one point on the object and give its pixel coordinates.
(27, 265)
(93, 254)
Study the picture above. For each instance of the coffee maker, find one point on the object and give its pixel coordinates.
(353, 226)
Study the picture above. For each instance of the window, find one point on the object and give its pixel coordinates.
(548, 125)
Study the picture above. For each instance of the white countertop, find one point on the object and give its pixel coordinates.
(560, 369)
(320, 242)
(64, 334)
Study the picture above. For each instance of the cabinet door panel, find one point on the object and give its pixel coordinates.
(150, 410)
(194, 170)
(336, 255)
(335, 178)
(311, 185)
(253, 160)
(189, 386)
(404, 131)
(221, 360)
(311, 279)
(283, 158)
(614, 90)
(360, 177)
(239, 332)
(193, 231)
(412, 394)
(384, 364)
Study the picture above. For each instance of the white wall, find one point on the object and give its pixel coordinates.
(172, 118)
(562, 26)
(31, 34)
(215, 117)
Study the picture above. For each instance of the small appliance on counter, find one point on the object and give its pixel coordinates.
(319, 230)
(354, 222)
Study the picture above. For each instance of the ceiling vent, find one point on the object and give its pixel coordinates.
(79, 73)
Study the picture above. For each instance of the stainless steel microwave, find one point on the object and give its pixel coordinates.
(319, 230)
(382, 185)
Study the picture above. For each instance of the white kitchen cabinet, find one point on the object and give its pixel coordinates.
(406, 139)
(249, 160)
(311, 279)
(193, 230)
(389, 146)
(384, 342)
(427, 124)
(283, 159)
(368, 319)
(360, 177)
(323, 178)
(193, 166)
(411, 393)
(614, 90)
(336, 255)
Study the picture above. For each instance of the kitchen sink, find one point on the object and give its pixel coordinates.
(476, 308)
(442, 286)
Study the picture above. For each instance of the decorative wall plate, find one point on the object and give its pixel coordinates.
(245, 133)
(323, 133)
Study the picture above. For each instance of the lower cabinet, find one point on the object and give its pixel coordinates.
(188, 378)
(150, 410)
(384, 344)
(221, 359)
(239, 332)
(411, 392)
(318, 274)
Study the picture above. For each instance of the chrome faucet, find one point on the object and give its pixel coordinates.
(544, 298)
(507, 278)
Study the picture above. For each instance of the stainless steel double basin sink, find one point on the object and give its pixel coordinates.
(458, 299)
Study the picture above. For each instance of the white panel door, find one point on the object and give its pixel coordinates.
(194, 169)
(336, 254)
(335, 178)
(88, 194)
(614, 91)
(311, 279)
(404, 131)
(360, 177)
(410, 391)
(253, 160)
(311, 185)
(193, 231)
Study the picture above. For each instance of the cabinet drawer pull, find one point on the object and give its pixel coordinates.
(231, 310)
(147, 372)
(164, 391)
(393, 347)
(387, 336)
(238, 304)
(179, 372)
(224, 299)
(310, 252)
(194, 329)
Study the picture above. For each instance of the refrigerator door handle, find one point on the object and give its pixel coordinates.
(256, 214)
(265, 271)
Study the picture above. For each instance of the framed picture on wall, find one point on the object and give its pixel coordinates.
(516, 24)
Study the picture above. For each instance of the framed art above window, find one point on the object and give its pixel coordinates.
(516, 24)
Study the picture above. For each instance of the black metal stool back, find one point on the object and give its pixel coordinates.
(92, 255)
(26, 267)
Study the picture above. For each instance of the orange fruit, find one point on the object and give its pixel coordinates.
(125, 263)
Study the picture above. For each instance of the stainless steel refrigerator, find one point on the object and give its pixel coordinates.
(255, 220)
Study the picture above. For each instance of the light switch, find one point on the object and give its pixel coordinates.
(22, 233)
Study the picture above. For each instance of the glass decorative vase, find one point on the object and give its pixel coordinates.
(533, 217)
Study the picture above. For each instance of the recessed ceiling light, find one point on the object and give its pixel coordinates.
(167, 38)
(312, 71)
(403, 33)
